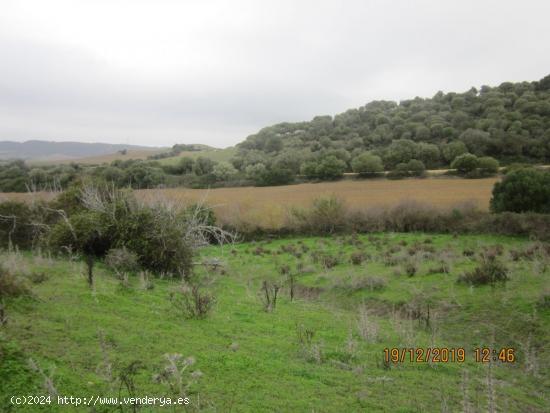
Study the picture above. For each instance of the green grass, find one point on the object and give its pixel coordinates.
(265, 369)
(217, 155)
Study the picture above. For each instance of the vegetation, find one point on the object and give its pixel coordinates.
(523, 190)
(509, 123)
(322, 351)
(472, 132)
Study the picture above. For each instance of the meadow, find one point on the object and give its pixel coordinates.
(319, 348)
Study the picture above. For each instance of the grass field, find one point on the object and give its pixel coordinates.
(268, 206)
(321, 352)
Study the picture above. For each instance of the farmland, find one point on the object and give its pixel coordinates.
(268, 206)
(321, 351)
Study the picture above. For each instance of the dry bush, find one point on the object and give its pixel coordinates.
(357, 283)
(411, 267)
(145, 280)
(309, 349)
(358, 257)
(268, 295)
(325, 258)
(191, 302)
(367, 327)
(490, 271)
(177, 374)
(121, 261)
(12, 284)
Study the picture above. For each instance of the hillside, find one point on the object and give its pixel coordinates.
(59, 151)
(510, 122)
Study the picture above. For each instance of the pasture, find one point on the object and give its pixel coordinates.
(320, 350)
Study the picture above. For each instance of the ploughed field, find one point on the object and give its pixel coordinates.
(322, 350)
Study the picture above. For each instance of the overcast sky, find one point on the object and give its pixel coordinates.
(160, 72)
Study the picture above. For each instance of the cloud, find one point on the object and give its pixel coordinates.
(161, 72)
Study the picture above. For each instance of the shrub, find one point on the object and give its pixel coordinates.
(465, 163)
(269, 293)
(121, 260)
(15, 228)
(522, 190)
(488, 166)
(191, 302)
(367, 164)
(326, 216)
(489, 272)
(358, 257)
(11, 284)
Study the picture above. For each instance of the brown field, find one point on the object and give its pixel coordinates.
(268, 206)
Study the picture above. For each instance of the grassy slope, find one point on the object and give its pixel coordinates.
(267, 372)
(218, 155)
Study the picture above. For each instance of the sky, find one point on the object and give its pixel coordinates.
(160, 72)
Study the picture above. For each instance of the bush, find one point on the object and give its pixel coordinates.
(465, 163)
(190, 302)
(326, 216)
(121, 260)
(15, 224)
(367, 164)
(488, 166)
(11, 284)
(522, 190)
(358, 257)
(489, 272)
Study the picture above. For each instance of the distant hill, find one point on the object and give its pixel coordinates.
(60, 151)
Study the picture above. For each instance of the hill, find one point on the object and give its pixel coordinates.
(510, 122)
(59, 151)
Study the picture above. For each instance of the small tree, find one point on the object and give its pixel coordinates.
(465, 163)
(85, 233)
(522, 190)
(367, 164)
(488, 165)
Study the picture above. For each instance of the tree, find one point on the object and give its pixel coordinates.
(86, 233)
(453, 149)
(465, 163)
(522, 190)
(223, 171)
(203, 166)
(415, 167)
(367, 164)
(330, 168)
(488, 165)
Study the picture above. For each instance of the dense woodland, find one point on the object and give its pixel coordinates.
(472, 132)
